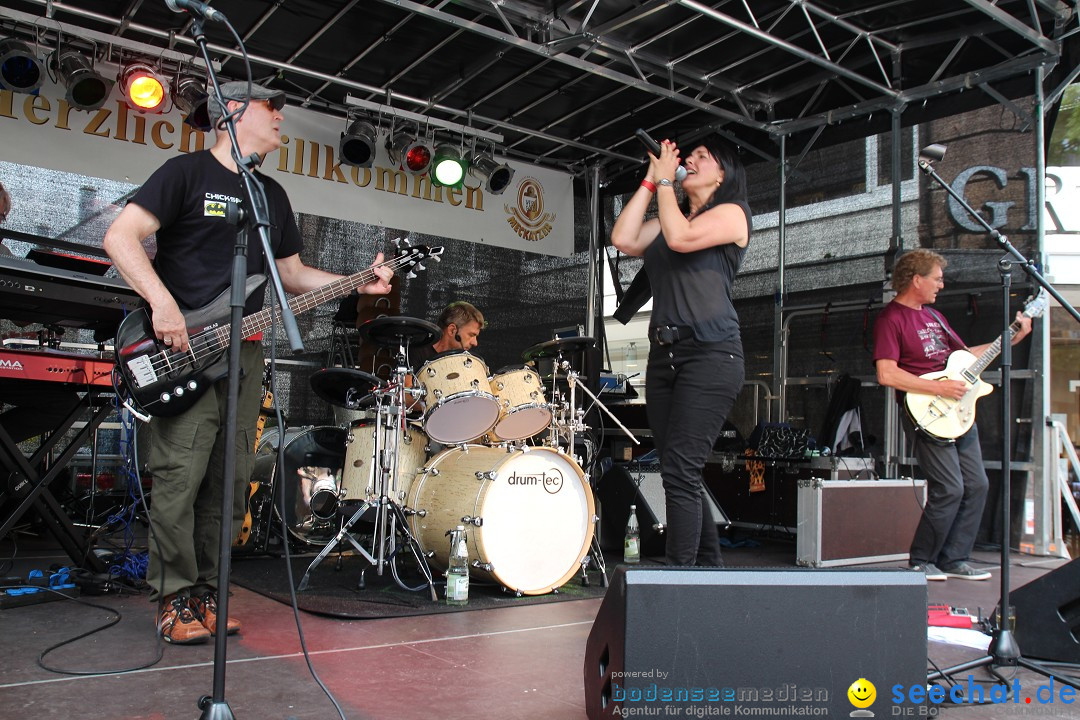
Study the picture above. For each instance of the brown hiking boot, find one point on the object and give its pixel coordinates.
(205, 608)
(178, 623)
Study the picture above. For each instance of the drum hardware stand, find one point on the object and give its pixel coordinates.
(577, 424)
(390, 423)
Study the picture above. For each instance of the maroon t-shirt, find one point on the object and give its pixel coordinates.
(915, 339)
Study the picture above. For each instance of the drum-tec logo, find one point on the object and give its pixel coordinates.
(551, 480)
(528, 217)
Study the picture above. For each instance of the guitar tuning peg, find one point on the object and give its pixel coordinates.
(410, 275)
(396, 243)
(436, 258)
(420, 267)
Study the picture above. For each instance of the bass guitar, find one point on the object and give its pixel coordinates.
(948, 419)
(164, 382)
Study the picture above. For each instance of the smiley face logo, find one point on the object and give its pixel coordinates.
(862, 694)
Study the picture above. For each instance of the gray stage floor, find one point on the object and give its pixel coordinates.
(521, 662)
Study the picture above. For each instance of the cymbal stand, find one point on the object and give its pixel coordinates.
(577, 424)
(390, 428)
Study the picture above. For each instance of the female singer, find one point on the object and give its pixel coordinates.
(695, 368)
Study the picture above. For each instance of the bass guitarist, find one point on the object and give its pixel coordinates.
(911, 339)
(184, 202)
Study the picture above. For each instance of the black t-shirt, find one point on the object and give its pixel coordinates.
(188, 196)
(694, 289)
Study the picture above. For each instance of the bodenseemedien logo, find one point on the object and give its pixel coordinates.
(862, 695)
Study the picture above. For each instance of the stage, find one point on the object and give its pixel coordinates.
(516, 662)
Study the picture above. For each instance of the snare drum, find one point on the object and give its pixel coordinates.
(523, 410)
(310, 479)
(459, 404)
(358, 482)
(528, 514)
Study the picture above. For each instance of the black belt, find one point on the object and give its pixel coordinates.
(670, 334)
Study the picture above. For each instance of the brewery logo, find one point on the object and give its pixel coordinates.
(551, 480)
(528, 217)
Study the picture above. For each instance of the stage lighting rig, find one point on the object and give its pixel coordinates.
(20, 69)
(408, 151)
(145, 89)
(357, 145)
(448, 167)
(86, 89)
(189, 94)
(494, 175)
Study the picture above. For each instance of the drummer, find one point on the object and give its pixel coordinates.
(461, 324)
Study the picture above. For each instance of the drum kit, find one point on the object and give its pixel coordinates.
(444, 445)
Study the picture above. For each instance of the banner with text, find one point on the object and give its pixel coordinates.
(535, 213)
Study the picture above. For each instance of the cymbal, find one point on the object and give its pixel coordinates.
(394, 330)
(561, 346)
(337, 385)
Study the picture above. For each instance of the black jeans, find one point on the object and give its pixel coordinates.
(690, 388)
(956, 487)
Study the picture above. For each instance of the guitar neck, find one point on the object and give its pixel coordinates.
(263, 319)
(988, 355)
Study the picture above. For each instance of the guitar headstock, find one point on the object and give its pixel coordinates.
(1036, 306)
(410, 257)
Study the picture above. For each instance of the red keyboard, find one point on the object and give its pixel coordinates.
(55, 366)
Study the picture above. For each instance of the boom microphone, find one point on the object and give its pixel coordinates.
(195, 8)
(654, 147)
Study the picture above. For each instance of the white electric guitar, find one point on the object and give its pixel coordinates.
(946, 418)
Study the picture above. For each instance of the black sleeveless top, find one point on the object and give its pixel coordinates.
(694, 289)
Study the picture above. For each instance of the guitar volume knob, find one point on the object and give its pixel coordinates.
(178, 390)
(165, 397)
(192, 385)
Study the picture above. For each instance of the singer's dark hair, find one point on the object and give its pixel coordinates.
(734, 186)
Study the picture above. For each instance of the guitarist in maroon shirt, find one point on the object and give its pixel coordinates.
(911, 339)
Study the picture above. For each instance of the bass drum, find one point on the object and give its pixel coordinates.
(310, 479)
(528, 514)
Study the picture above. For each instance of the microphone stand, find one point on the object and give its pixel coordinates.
(215, 707)
(1003, 650)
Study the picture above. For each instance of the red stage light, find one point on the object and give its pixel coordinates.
(418, 158)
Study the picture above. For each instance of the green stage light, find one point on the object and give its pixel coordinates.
(447, 168)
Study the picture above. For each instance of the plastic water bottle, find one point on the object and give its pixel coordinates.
(632, 543)
(457, 574)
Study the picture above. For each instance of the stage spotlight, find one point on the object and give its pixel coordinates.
(20, 69)
(496, 176)
(144, 87)
(86, 88)
(447, 168)
(406, 150)
(357, 146)
(190, 96)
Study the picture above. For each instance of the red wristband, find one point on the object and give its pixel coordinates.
(648, 186)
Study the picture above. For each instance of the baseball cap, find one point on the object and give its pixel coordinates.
(238, 90)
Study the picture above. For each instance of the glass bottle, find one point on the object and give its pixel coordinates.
(457, 574)
(632, 543)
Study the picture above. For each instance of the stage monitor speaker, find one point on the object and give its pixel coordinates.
(640, 485)
(698, 642)
(1048, 615)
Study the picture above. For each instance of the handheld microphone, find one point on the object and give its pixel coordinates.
(195, 8)
(654, 147)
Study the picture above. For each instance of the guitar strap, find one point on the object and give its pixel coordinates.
(945, 325)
